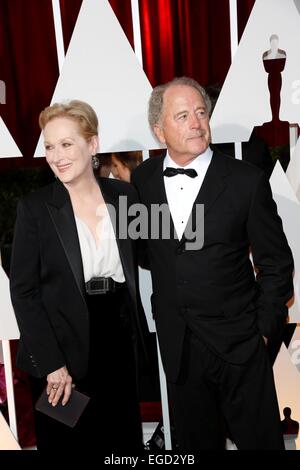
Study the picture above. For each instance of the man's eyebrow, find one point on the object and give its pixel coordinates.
(181, 112)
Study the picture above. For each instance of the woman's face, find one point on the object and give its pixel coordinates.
(68, 154)
(119, 170)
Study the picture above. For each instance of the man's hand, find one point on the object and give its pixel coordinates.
(59, 383)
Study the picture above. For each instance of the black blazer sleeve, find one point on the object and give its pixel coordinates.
(272, 259)
(142, 251)
(38, 345)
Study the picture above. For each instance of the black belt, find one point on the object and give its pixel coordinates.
(102, 285)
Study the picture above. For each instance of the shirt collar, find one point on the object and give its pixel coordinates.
(200, 162)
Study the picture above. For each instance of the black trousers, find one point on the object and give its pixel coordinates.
(111, 421)
(213, 399)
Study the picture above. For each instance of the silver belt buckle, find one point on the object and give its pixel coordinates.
(97, 286)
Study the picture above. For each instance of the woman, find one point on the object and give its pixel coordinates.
(123, 164)
(74, 290)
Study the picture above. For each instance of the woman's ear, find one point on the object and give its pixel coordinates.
(94, 142)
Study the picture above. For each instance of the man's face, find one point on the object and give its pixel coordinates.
(184, 126)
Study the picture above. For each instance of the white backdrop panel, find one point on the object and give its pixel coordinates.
(289, 210)
(244, 101)
(287, 384)
(101, 68)
(7, 440)
(293, 170)
(8, 325)
(8, 147)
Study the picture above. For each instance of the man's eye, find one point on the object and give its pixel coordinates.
(66, 144)
(48, 147)
(202, 114)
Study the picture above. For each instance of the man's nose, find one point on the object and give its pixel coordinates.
(195, 122)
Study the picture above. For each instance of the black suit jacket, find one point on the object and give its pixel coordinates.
(255, 151)
(214, 289)
(47, 281)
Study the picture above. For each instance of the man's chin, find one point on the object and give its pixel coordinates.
(200, 148)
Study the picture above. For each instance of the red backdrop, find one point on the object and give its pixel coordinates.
(179, 37)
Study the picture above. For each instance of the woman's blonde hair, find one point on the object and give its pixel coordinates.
(78, 111)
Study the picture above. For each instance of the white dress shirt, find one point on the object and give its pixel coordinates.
(100, 259)
(182, 190)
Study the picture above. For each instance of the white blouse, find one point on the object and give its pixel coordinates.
(100, 259)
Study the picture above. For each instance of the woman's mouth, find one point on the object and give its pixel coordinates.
(63, 168)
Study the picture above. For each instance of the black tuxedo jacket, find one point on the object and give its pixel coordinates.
(213, 290)
(47, 281)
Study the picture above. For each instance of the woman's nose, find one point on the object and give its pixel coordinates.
(57, 154)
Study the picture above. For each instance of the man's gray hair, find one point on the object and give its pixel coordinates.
(156, 99)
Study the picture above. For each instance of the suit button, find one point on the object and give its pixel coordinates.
(182, 282)
(180, 251)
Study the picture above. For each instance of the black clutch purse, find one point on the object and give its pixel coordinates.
(68, 414)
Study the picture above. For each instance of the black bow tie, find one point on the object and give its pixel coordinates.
(180, 171)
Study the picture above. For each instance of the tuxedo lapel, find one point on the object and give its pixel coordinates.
(155, 185)
(61, 213)
(212, 187)
(156, 192)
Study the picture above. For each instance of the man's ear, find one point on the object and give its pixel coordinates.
(159, 133)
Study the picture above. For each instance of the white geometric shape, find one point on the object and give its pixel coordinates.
(8, 147)
(234, 37)
(59, 37)
(9, 387)
(293, 170)
(287, 380)
(289, 211)
(8, 324)
(294, 349)
(145, 282)
(280, 183)
(136, 26)
(290, 93)
(7, 440)
(297, 5)
(244, 101)
(101, 68)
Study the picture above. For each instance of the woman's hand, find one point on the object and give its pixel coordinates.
(59, 383)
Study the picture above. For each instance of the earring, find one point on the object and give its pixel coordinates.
(95, 162)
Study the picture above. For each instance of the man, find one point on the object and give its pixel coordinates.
(214, 317)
